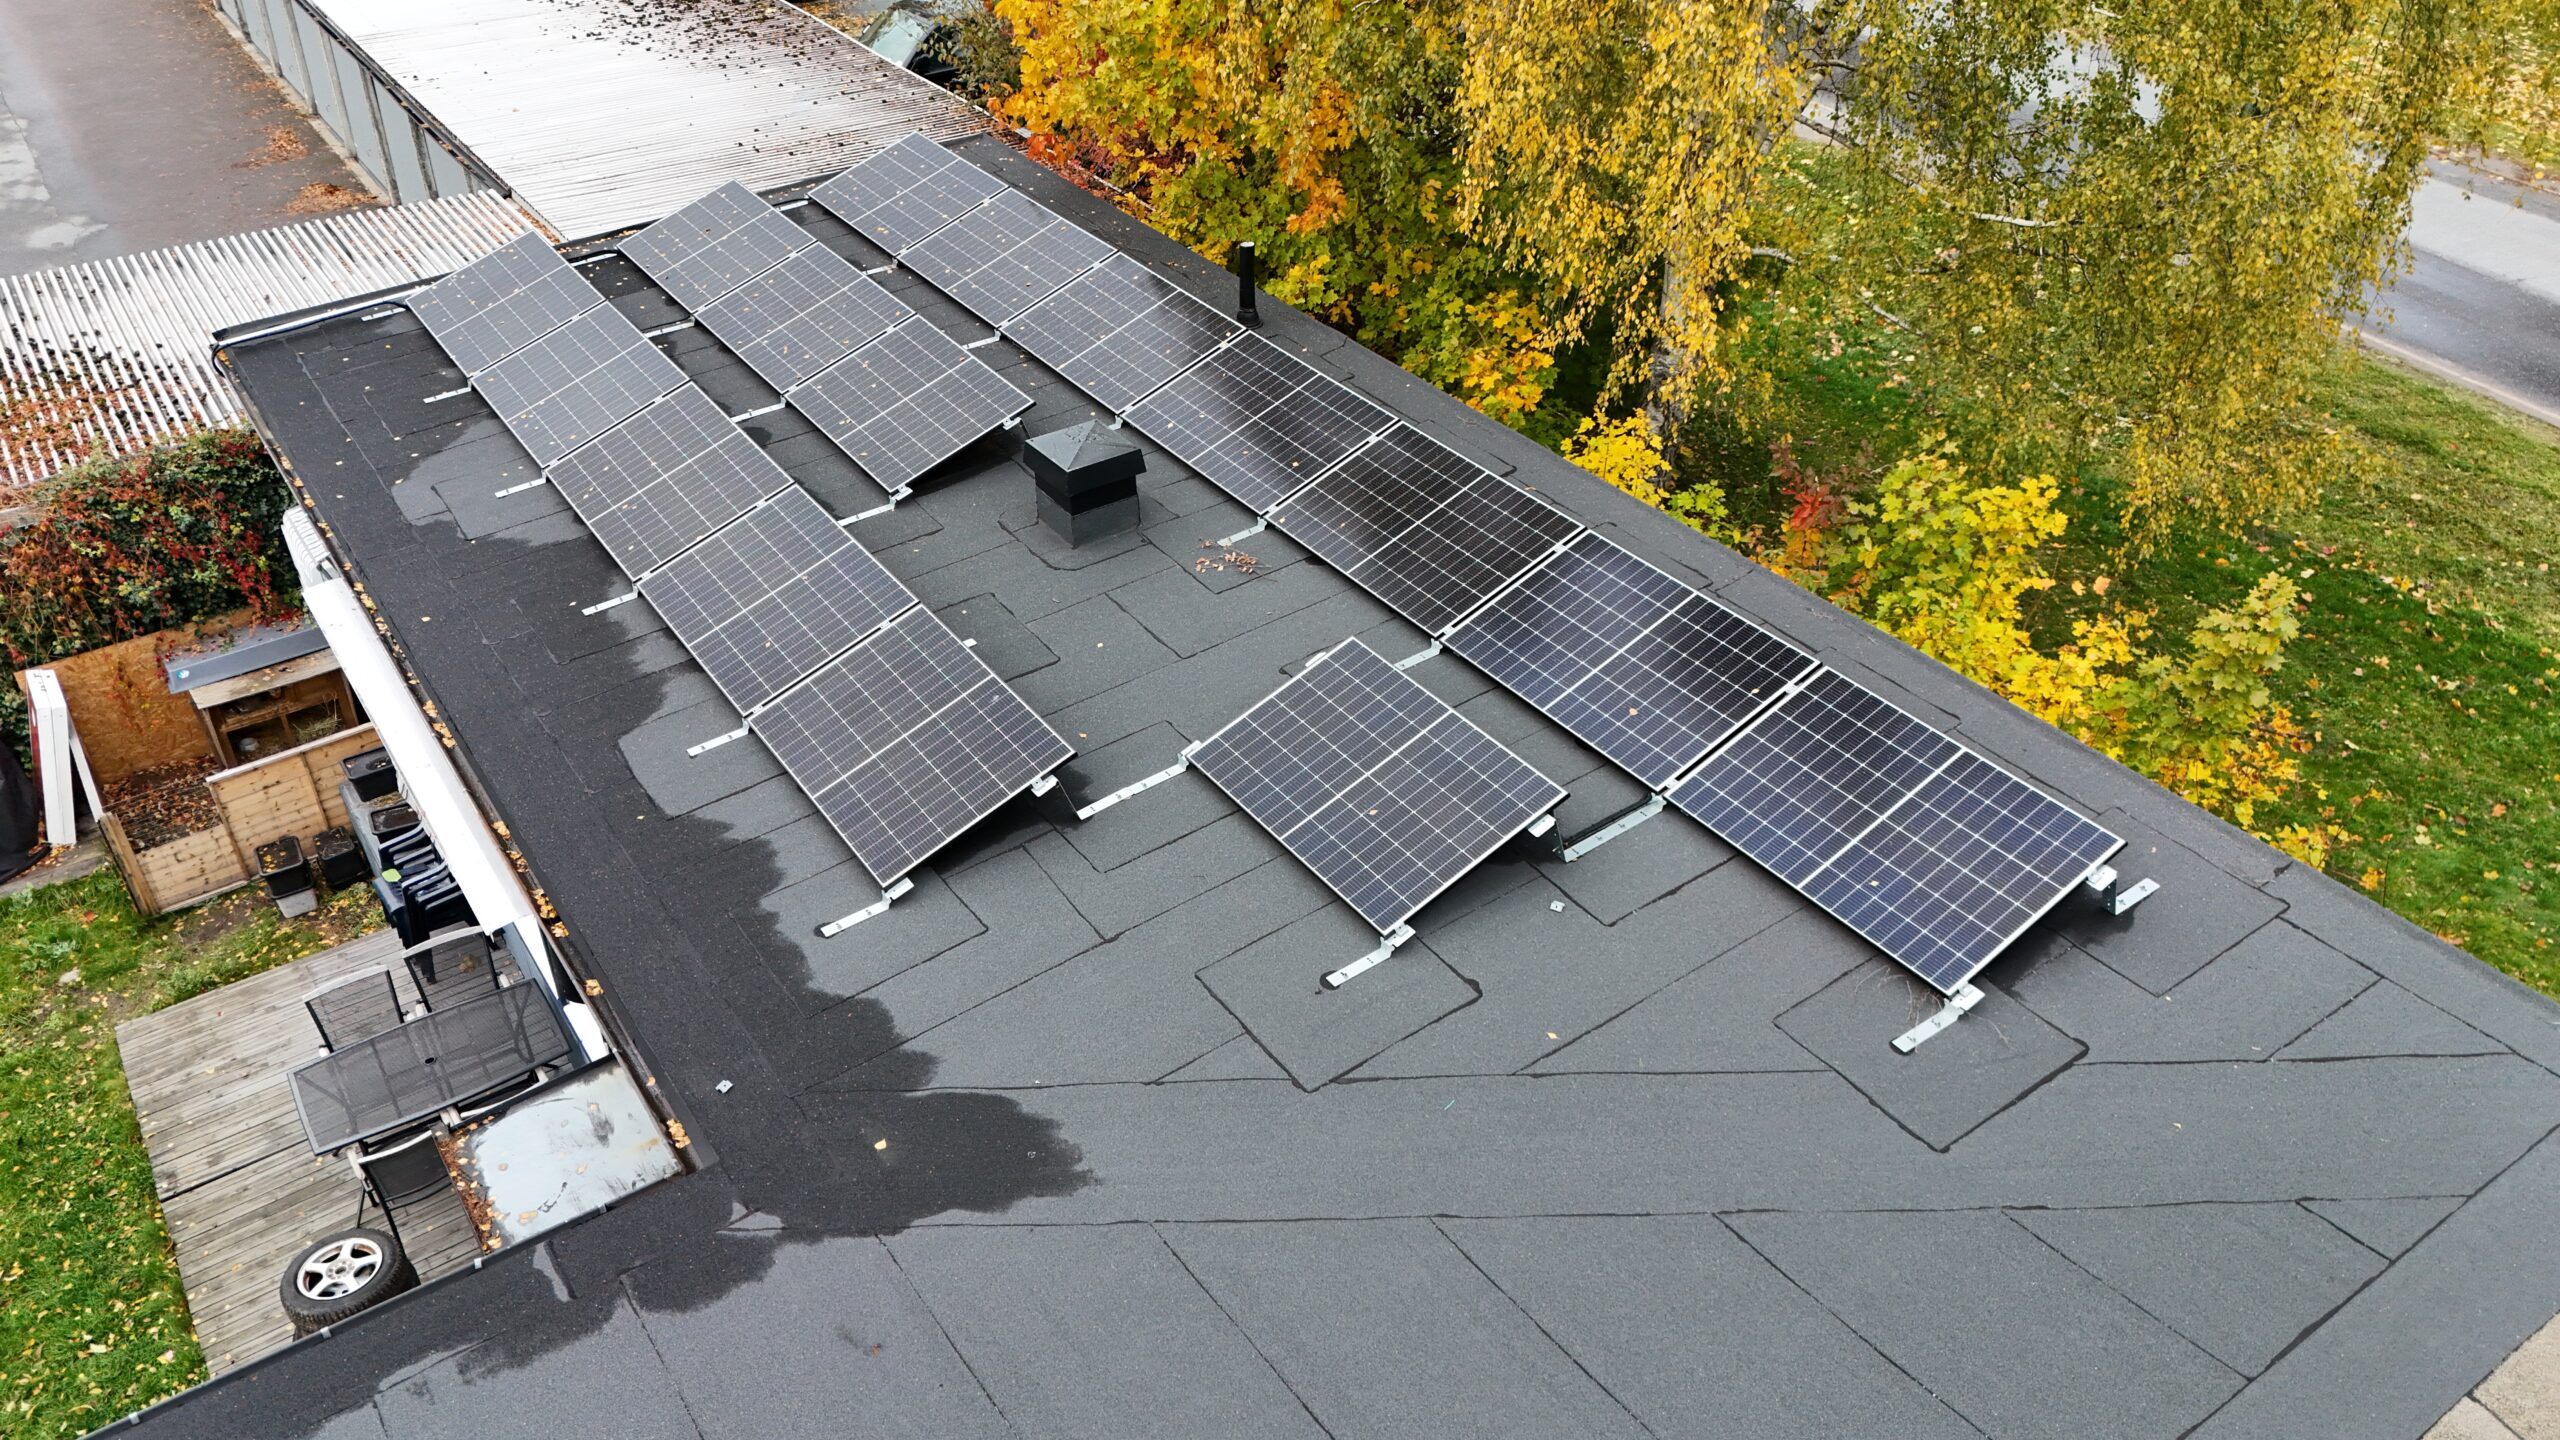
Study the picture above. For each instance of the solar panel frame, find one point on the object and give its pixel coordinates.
(1421, 527)
(1376, 785)
(1119, 331)
(1643, 668)
(907, 402)
(576, 383)
(904, 194)
(1258, 422)
(809, 311)
(1005, 256)
(672, 473)
(906, 740)
(773, 596)
(502, 302)
(712, 246)
(1944, 883)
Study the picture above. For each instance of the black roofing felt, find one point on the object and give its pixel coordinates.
(1613, 1148)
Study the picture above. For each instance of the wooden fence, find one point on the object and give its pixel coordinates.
(292, 792)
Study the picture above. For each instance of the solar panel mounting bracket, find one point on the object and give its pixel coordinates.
(1387, 944)
(1418, 656)
(880, 906)
(1257, 527)
(1138, 787)
(446, 395)
(715, 742)
(1964, 999)
(535, 483)
(601, 606)
(2102, 884)
(876, 511)
(1651, 807)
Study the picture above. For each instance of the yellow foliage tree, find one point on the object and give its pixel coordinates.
(1946, 561)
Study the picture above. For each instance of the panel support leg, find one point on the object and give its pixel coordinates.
(1418, 656)
(901, 493)
(1135, 788)
(1966, 997)
(601, 606)
(1387, 944)
(535, 482)
(880, 906)
(2102, 884)
(1615, 828)
(1247, 533)
(442, 395)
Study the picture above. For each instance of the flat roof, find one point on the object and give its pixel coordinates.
(1071, 1142)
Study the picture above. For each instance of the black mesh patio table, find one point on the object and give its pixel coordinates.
(412, 1071)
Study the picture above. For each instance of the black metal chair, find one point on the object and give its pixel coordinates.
(356, 1008)
(398, 1171)
(451, 967)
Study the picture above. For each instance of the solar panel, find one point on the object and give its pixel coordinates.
(1382, 790)
(802, 316)
(1638, 666)
(1430, 533)
(906, 192)
(774, 596)
(713, 245)
(666, 477)
(1119, 331)
(1957, 872)
(1257, 421)
(999, 259)
(906, 741)
(502, 302)
(907, 402)
(576, 383)
(1812, 774)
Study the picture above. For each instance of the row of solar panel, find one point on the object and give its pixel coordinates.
(1935, 854)
(901, 736)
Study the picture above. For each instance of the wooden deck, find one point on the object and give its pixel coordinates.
(239, 1188)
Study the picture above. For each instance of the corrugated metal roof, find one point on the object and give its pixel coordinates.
(603, 114)
(129, 340)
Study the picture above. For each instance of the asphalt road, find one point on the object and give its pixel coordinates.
(2481, 302)
(127, 125)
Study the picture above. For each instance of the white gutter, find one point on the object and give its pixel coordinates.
(427, 777)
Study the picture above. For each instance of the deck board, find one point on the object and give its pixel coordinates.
(240, 1190)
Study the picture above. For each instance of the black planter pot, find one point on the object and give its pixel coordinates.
(283, 868)
(341, 859)
(371, 773)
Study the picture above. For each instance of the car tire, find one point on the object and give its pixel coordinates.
(341, 1274)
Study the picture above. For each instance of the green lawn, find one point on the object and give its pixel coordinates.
(93, 1322)
(2429, 666)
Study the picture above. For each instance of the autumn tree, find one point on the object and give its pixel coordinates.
(2110, 231)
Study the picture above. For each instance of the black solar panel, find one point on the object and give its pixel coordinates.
(1383, 791)
(1257, 421)
(802, 316)
(907, 741)
(1812, 774)
(665, 478)
(906, 192)
(1425, 530)
(576, 383)
(1119, 331)
(1638, 666)
(774, 596)
(906, 402)
(502, 302)
(1959, 870)
(713, 245)
(999, 259)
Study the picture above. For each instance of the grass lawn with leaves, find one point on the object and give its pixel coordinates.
(2429, 664)
(93, 1320)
